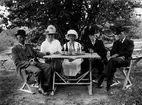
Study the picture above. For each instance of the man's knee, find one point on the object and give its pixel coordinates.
(33, 69)
(47, 67)
(37, 70)
(113, 60)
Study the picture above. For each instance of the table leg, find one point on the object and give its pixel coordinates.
(53, 85)
(90, 76)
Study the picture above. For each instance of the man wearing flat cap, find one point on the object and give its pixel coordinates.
(25, 58)
(120, 56)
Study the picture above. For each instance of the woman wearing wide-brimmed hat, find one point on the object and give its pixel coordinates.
(72, 67)
(52, 46)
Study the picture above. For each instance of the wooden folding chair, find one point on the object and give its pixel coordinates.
(126, 72)
(12, 65)
(26, 87)
(2, 62)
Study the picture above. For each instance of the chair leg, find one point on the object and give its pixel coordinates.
(115, 82)
(25, 87)
(127, 82)
(28, 90)
(3, 64)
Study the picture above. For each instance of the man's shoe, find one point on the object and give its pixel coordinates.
(35, 85)
(99, 86)
(110, 93)
(42, 91)
(95, 81)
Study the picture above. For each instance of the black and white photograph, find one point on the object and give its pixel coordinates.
(70, 52)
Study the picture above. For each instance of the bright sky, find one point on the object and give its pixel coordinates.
(3, 11)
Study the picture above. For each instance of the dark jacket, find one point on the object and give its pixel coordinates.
(98, 47)
(123, 49)
(22, 56)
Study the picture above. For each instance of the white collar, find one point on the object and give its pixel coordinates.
(123, 40)
(48, 41)
(93, 40)
(21, 44)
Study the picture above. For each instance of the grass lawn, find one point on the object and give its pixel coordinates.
(70, 95)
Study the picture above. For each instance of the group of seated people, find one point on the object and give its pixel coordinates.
(25, 57)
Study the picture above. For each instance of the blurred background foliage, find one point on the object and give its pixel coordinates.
(7, 39)
(71, 14)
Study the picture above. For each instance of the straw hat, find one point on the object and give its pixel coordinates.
(50, 30)
(71, 32)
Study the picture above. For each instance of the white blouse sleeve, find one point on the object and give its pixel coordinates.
(59, 47)
(42, 49)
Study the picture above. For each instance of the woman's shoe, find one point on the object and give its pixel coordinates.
(98, 84)
(100, 80)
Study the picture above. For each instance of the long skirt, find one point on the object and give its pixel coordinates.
(71, 68)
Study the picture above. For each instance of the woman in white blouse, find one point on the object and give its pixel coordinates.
(51, 45)
(71, 67)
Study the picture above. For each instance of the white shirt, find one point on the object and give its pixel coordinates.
(52, 47)
(93, 40)
(123, 40)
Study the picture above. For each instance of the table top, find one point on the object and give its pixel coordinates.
(136, 57)
(84, 55)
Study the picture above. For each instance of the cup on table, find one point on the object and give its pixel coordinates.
(66, 52)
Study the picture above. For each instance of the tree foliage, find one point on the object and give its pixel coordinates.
(66, 14)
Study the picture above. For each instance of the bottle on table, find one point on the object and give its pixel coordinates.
(66, 50)
(78, 49)
(63, 50)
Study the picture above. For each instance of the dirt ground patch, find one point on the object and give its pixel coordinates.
(69, 95)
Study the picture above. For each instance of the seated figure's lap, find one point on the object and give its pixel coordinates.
(33, 69)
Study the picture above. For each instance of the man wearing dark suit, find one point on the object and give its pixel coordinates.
(120, 56)
(25, 58)
(93, 43)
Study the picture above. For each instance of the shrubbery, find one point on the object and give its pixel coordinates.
(6, 40)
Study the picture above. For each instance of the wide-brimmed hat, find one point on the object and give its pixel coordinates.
(71, 32)
(21, 32)
(50, 30)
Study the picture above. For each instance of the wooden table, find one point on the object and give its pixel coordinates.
(81, 80)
